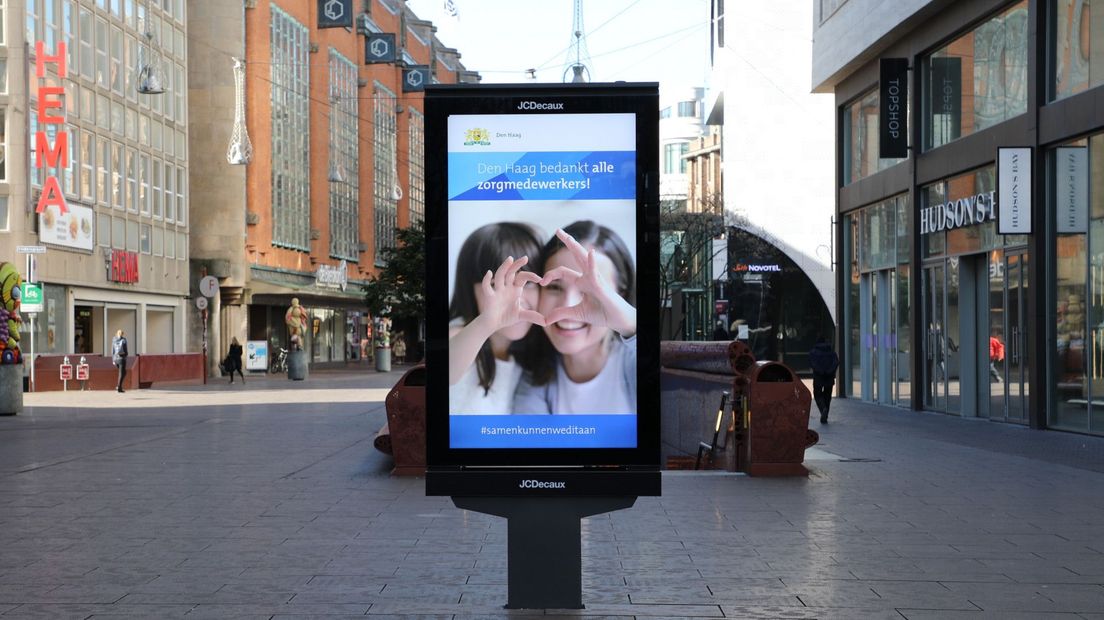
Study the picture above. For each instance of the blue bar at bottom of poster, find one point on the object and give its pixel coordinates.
(542, 431)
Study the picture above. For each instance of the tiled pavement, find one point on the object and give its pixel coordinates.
(268, 501)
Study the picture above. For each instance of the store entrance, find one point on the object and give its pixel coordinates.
(942, 367)
(1008, 332)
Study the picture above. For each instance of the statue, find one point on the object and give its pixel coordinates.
(10, 320)
(296, 319)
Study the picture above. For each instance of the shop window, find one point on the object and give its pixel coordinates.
(977, 80)
(4, 214)
(1078, 30)
(4, 76)
(860, 139)
(1077, 383)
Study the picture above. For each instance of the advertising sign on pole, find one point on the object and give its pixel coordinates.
(380, 47)
(31, 300)
(1014, 190)
(335, 13)
(558, 183)
(892, 108)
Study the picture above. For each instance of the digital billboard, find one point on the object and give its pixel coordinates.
(543, 300)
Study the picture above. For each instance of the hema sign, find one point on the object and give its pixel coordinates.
(541, 327)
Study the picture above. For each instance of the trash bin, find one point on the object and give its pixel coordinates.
(406, 422)
(777, 432)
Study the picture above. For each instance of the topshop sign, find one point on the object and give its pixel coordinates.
(953, 214)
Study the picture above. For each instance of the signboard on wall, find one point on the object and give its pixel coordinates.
(75, 228)
(380, 47)
(1071, 195)
(892, 108)
(256, 355)
(566, 168)
(335, 13)
(1014, 190)
(415, 79)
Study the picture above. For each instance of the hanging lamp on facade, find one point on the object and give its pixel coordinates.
(240, 151)
(149, 74)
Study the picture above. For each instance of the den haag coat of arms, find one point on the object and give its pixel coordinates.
(477, 135)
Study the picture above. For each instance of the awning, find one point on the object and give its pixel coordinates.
(267, 292)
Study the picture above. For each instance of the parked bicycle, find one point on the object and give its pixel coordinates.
(279, 361)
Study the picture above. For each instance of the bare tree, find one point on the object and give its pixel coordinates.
(686, 252)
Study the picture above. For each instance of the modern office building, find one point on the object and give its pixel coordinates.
(938, 310)
(337, 138)
(777, 158)
(107, 164)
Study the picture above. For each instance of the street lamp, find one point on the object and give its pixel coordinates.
(149, 75)
(240, 151)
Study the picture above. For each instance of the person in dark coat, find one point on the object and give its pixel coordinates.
(234, 360)
(119, 355)
(720, 333)
(824, 362)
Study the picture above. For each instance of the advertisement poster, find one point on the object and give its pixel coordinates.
(74, 229)
(549, 202)
(256, 355)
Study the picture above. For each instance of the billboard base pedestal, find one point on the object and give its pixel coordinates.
(544, 549)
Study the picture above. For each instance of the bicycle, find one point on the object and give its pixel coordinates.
(279, 361)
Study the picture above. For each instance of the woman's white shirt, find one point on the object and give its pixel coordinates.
(467, 396)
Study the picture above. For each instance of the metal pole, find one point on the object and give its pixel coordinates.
(205, 346)
(33, 314)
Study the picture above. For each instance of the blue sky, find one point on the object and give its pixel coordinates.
(631, 40)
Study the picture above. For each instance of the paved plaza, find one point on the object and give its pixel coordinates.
(267, 500)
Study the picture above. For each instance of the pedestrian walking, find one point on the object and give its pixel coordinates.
(824, 362)
(119, 355)
(720, 333)
(996, 355)
(399, 348)
(233, 360)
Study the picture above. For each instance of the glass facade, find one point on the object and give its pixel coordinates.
(290, 94)
(385, 156)
(1077, 58)
(1076, 185)
(978, 79)
(859, 129)
(98, 97)
(416, 199)
(344, 159)
(875, 362)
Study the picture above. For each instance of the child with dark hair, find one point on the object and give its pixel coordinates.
(584, 361)
(493, 307)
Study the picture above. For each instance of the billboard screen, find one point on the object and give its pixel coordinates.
(539, 347)
(555, 190)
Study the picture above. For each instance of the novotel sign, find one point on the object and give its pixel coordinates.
(54, 156)
(952, 214)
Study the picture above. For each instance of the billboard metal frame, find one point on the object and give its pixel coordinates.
(585, 471)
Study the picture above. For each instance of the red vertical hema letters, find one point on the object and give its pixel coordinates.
(57, 156)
